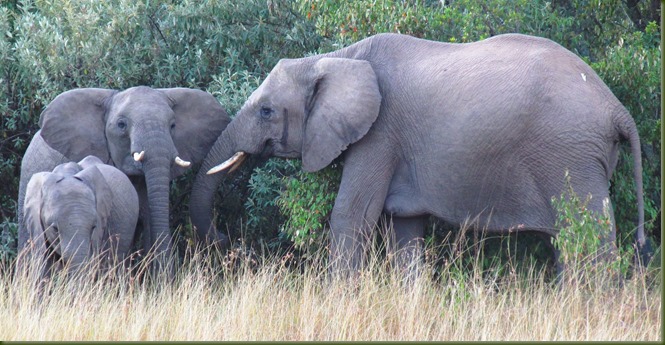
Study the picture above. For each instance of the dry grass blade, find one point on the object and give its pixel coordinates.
(268, 301)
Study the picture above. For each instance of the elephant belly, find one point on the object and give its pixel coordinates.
(403, 198)
(404, 202)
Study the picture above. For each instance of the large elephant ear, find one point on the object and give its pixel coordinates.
(200, 119)
(345, 102)
(73, 123)
(92, 177)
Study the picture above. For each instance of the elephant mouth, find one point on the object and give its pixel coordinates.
(277, 148)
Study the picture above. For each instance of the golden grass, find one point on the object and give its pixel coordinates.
(271, 302)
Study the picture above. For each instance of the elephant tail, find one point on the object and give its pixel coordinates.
(628, 131)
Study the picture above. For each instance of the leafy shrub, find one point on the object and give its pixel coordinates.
(581, 236)
(631, 69)
(307, 203)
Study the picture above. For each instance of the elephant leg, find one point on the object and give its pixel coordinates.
(359, 203)
(405, 244)
(559, 266)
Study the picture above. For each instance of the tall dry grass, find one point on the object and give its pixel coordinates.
(269, 301)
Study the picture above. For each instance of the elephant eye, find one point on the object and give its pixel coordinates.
(266, 112)
(173, 126)
(122, 124)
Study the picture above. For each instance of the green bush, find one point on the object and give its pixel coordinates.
(631, 68)
(581, 235)
(307, 203)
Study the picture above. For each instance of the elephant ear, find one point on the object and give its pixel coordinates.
(345, 102)
(199, 120)
(92, 177)
(32, 210)
(73, 123)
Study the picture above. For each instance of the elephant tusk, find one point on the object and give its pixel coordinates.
(232, 162)
(238, 163)
(139, 156)
(181, 162)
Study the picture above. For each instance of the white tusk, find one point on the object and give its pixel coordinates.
(181, 162)
(237, 164)
(139, 156)
(235, 159)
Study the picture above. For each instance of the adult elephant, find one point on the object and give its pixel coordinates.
(485, 129)
(77, 212)
(152, 135)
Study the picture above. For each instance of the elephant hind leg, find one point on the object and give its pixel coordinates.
(405, 244)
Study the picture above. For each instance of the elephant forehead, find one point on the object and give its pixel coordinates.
(70, 189)
(277, 88)
(141, 100)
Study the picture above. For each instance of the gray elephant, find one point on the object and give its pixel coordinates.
(77, 212)
(482, 130)
(151, 135)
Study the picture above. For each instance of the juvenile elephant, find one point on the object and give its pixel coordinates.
(151, 135)
(79, 211)
(457, 131)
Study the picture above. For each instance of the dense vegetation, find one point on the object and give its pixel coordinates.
(227, 48)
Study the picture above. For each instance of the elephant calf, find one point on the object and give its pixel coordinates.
(78, 211)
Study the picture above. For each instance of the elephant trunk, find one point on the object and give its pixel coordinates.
(76, 251)
(157, 170)
(153, 148)
(205, 186)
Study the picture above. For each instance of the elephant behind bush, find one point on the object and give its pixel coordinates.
(484, 130)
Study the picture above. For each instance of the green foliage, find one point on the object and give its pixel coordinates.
(583, 238)
(307, 203)
(8, 238)
(631, 69)
(265, 185)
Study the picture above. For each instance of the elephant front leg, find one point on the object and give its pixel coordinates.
(405, 244)
(356, 212)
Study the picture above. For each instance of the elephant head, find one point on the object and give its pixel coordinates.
(310, 108)
(66, 212)
(154, 133)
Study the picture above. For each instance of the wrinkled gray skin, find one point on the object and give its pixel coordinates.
(480, 131)
(113, 126)
(77, 212)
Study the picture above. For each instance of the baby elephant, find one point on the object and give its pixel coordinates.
(79, 211)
